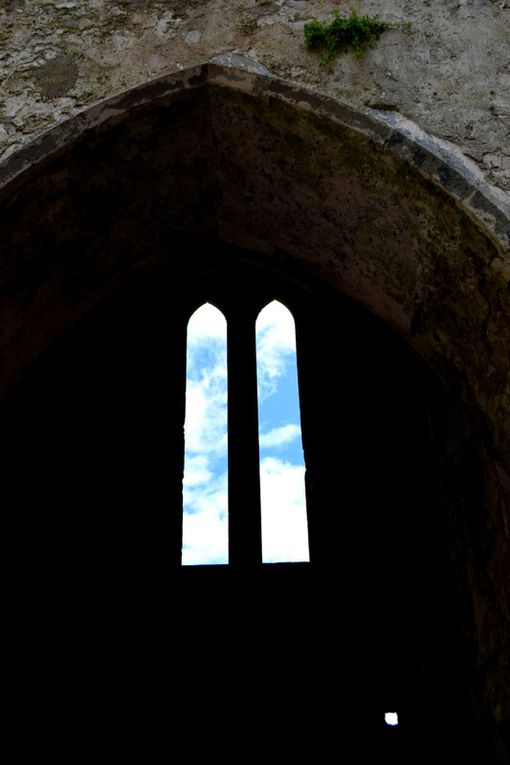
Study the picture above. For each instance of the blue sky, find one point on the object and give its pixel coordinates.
(284, 526)
(205, 520)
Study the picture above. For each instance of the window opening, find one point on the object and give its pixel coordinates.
(282, 468)
(205, 483)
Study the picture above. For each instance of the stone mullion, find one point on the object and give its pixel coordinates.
(245, 536)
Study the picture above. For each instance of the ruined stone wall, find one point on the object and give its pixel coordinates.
(436, 253)
(443, 64)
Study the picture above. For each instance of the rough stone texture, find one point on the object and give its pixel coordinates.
(338, 182)
(387, 177)
(448, 72)
(238, 156)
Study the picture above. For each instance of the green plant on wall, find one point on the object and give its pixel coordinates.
(343, 32)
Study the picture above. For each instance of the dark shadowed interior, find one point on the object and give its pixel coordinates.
(95, 468)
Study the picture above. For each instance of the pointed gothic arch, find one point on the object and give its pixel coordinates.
(205, 480)
(229, 162)
(282, 467)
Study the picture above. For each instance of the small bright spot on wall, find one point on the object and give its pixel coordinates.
(391, 718)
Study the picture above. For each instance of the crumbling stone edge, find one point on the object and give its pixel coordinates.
(437, 160)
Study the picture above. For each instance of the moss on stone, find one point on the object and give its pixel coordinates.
(355, 31)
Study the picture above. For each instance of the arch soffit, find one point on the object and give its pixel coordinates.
(397, 219)
(448, 295)
(437, 160)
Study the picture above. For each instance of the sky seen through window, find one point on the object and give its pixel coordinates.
(205, 485)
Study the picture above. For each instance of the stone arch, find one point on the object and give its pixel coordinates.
(367, 204)
(388, 208)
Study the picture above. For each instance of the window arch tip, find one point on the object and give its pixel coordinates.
(207, 321)
(207, 305)
(275, 302)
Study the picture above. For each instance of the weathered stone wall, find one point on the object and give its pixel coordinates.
(400, 197)
(444, 64)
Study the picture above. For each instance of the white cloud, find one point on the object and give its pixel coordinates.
(283, 503)
(279, 436)
(205, 493)
(276, 319)
(276, 341)
(205, 533)
(196, 470)
(205, 325)
(284, 521)
(206, 382)
(205, 486)
(205, 520)
(205, 426)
